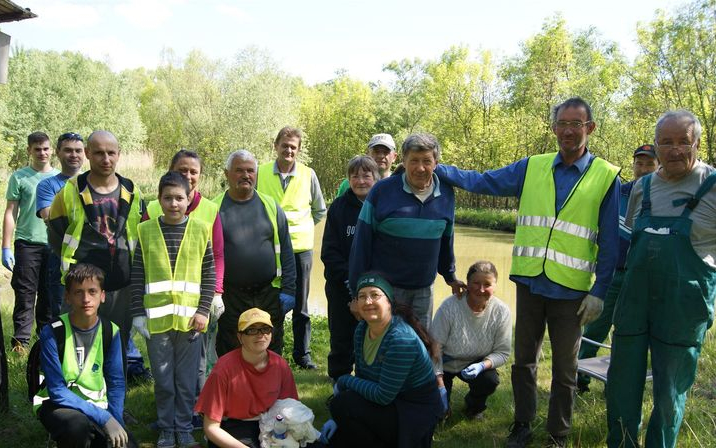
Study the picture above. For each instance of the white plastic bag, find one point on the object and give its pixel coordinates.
(298, 419)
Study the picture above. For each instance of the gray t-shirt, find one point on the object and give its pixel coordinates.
(83, 342)
(703, 229)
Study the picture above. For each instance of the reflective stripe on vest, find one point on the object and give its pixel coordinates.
(564, 245)
(206, 210)
(172, 298)
(77, 220)
(271, 211)
(295, 202)
(89, 384)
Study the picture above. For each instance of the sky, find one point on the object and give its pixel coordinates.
(313, 39)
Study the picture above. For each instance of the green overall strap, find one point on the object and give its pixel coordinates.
(704, 188)
(646, 195)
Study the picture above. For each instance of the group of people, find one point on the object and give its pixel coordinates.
(208, 283)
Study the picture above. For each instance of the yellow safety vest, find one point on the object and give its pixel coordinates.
(88, 384)
(206, 211)
(563, 246)
(74, 201)
(295, 202)
(271, 210)
(172, 298)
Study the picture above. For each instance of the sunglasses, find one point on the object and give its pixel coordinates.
(260, 330)
(70, 136)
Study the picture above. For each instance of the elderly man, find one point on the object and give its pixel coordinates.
(258, 257)
(381, 148)
(666, 302)
(295, 187)
(93, 219)
(29, 277)
(644, 163)
(405, 229)
(567, 231)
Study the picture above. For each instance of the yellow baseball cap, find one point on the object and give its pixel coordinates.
(254, 316)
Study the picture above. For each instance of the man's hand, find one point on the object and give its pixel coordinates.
(458, 287)
(287, 302)
(327, 431)
(353, 306)
(198, 322)
(590, 309)
(8, 259)
(116, 435)
(217, 306)
(444, 398)
(139, 323)
(473, 370)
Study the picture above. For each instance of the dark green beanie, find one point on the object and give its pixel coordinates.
(377, 280)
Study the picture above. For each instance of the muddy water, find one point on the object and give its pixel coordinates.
(471, 244)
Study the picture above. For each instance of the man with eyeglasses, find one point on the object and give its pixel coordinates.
(666, 302)
(565, 251)
(644, 163)
(29, 261)
(70, 151)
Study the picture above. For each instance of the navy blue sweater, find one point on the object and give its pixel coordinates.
(408, 240)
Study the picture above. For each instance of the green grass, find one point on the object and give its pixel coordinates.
(589, 426)
(487, 218)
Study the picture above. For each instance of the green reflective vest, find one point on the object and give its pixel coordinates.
(295, 202)
(172, 298)
(562, 245)
(88, 384)
(271, 211)
(206, 211)
(75, 201)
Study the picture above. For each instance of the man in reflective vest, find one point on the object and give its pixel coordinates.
(296, 189)
(83, 398)
(666, 303)
(259, 260)
(566, 246)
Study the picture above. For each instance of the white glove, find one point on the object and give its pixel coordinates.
(139, 323)
(217, 306)
(115, 433)
(590, 309)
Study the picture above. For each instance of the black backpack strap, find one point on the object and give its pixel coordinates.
(107, 336)
(58, 329)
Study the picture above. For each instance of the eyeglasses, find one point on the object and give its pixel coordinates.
(70, 136)
(562, 124)
(260, 330)
(374, 297)
(681, 148)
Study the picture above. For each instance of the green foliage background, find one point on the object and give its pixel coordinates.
(486, 111)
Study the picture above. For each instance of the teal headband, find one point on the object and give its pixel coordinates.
(373, 279)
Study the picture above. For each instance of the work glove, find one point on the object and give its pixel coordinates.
(217, 306)
(590, 309)
(444, 398)
(327, 431)
(116, 435)
(287, 302)
(139, 323)
(8, 259)
(473, 370)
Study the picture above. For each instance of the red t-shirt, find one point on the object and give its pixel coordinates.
(235, 389)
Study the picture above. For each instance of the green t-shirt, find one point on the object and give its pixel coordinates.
(21, 188)
(371, 346)
(343, 187)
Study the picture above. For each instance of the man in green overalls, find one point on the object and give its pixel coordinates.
(666, 302)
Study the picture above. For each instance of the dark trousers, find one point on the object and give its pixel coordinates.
(54, 284)
(363, 423)
(481, 387)
(301, 320)
(29, 280)
(243, 431)
(342, 325)
(72, 429)
(116, 309)
(237, 300)
(534, 312)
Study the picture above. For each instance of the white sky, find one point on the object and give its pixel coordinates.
(313, 38)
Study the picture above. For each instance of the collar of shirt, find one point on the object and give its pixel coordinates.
(290, 173)
(436, 182)
(581, 164)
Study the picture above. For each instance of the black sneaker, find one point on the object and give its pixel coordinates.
(520, 435)
(307, 365)
(556, 441)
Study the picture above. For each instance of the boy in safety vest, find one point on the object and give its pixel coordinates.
(83, 398)
(172, 290)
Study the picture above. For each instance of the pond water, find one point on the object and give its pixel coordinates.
(471, 244)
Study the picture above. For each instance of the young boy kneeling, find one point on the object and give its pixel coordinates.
(82, 402)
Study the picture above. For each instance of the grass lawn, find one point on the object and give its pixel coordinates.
(20, 428)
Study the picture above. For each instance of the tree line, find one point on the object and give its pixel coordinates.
(485, 111)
